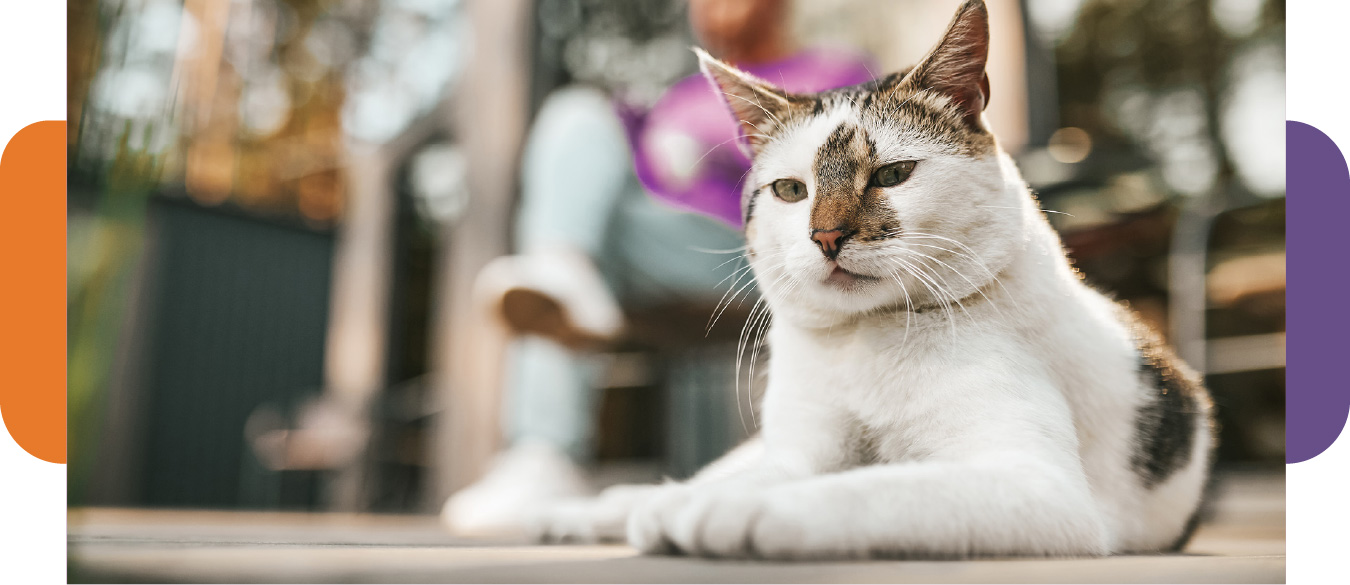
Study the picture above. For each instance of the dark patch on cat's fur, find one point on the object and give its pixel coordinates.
(1205, 509)
(1187, 532)
(1167, 424)
(750, 207)
(867, 450)
(1165, 427)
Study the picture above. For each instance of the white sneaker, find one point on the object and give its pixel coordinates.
(521, 482)
(558, 294)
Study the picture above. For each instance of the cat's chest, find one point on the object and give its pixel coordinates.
(897, 396)
(884, 376)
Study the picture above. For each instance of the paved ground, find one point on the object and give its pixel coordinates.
(1243, 542)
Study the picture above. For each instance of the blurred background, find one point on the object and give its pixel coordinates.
(278, 210)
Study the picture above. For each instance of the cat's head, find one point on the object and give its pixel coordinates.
(889, 194)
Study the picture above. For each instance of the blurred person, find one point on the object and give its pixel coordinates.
(591, 240)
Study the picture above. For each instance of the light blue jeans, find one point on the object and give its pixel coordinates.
(579, 191)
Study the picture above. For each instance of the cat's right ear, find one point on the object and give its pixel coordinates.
(955, 67)
(757, 105)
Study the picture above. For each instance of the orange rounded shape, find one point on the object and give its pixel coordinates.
(33, 289)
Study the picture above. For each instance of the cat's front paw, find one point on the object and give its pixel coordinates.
(600, 519)
(735, 521)
(792, 523)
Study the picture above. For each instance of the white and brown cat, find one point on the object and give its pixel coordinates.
(942, 381)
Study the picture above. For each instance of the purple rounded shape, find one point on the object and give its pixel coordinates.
(1318, 191)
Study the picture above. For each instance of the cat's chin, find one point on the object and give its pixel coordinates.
(842, 279)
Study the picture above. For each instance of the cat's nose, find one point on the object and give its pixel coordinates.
(830, 241)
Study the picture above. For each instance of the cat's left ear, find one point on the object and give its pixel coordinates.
(757, 104)
(955, 67)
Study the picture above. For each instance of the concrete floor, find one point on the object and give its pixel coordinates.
(1242, 542)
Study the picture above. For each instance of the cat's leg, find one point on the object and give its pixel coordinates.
(605, 518)
(996, 506)
(799, 438)
(997, 471)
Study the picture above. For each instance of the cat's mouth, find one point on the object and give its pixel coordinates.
(842, 278)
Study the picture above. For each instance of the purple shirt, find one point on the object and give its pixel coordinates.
(685, 148)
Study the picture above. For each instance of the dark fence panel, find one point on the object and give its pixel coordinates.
(239, 317)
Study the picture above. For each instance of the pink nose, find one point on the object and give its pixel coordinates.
(830, 241)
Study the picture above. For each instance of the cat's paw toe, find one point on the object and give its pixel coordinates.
(562, 522)
(724, 523)
(786, 528)
(649, 523)
(713, 521)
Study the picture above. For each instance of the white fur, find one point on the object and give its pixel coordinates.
(1002, 424)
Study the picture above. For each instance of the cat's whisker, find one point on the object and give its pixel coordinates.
(972, 256)
(925, 258)
(740, 273)
(740, 353)
(720, 308)
(733, 139)
(745, 256)
(757, 312)
(766, 318)
(737, 271)
(723, 304)
(968, 281)
(947, 289)
(932, 288)
(1019, 208)
(757, 104)
(728, 251)
(980, 264)
(909, 308)
(896, 109)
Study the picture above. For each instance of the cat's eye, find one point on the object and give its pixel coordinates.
(893, 174)
(789, 190)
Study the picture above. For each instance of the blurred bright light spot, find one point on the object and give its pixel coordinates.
(378, 113)
(429, 8)
(641, 69)
(439, 181)
(1174, 128)
(1189, 167)
(1238, 18)
(156, 29)
(429, 65)
(303, 65)
(132, 92)
(416, 52)
(1252, 120)
(265, 105)
(1070, 145)
(1053, 19)
(1132, 192)
(251, 35)
(678, 153)
(331, 43)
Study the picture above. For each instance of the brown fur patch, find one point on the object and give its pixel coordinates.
(844, 164)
